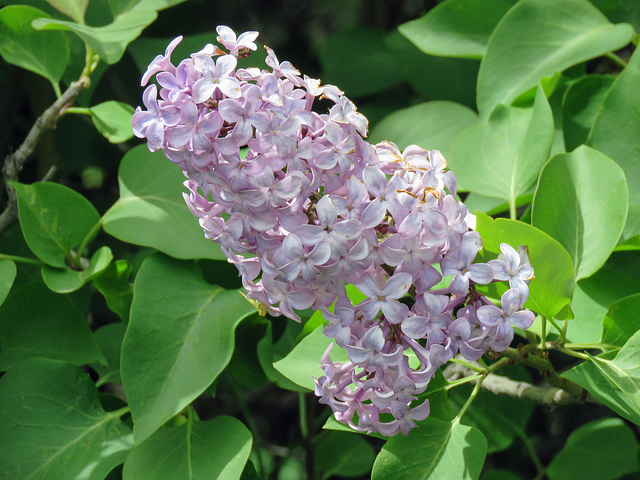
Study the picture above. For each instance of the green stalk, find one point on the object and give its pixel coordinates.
(16, 258)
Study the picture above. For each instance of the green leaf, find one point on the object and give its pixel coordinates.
(151, 210)
(53, 426)
(580, 105)
(552, 288)
(616, 383)
(454, 81)
(303, 363)
(537, 38)
(343, 454)
(581, 201)
(431, 125)
(622, 321)
(118, 7)
(113, 120)
(110, 41)
(603, 449)
(51, 327)
(72, 8)
(180, 337)
(512, 147)
(456, 28)
(217, 448)
(69, 280)
(44, 53)
(592, 297)
(359, 62)
(500, 418)
(114, 285)
(435, 449)
(615, 130)
(109, 339)
(7, 276)
(54, 220)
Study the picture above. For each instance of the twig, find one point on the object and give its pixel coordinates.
(500, 385)
(15, 162)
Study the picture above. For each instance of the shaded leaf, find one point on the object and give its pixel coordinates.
(580, 105)
(180, 337)
(109, 339)
(603, 449)
(54, 427)
(581, 201)
(614, 133)
(622, 321)
(217, 448)
(44, 53)
(436, 449)
(151, 210)
(114, 285)
(456, 28)
(54, 220)
(110, 41)
(343, 454)
(69, 280)
(113, 120)
(7, 276)
(51, 327)
(537, 38)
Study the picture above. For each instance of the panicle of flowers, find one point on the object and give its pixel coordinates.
(302, 204)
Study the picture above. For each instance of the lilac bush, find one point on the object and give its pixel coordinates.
(302, 204)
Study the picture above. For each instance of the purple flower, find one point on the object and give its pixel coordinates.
(151, 123)
(385, 297)
(227, 37)
(514, 267)
(161, 62)
(507, 317)
(216, 76)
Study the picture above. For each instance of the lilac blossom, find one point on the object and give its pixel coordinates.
(302, 205)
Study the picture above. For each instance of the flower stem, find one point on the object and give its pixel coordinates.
(16, 258)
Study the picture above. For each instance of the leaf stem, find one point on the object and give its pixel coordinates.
(462, 381)
(513, 213)
(587, 346)
(15, 258)
(85, 241)
(56, 89)
(543, 337)
(467, 404)
(78, 110)
(563, 334)
(473, 367)
(616, 59)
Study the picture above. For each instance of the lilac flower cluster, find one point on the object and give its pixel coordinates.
(302, 205)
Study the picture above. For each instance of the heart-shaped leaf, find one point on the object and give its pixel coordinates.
(53, 425)
(581, 201)
(180, 337)
(151, 210)
(54, 220)
(456, 28)
(44, 53)
(537, 38)
(51, 327)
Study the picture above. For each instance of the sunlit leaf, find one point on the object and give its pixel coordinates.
(581, 201)
(537, 38)
(151, 210)
(180, 337)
